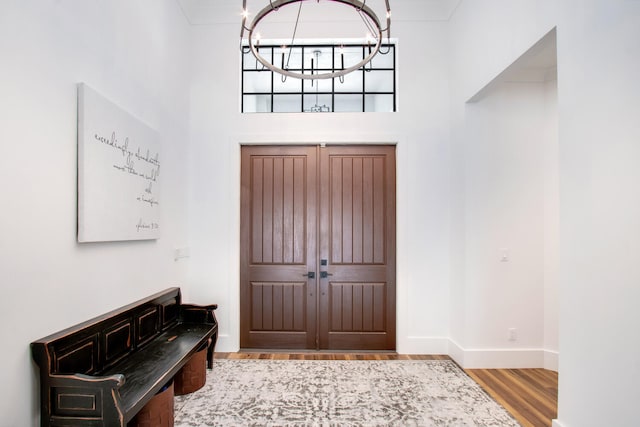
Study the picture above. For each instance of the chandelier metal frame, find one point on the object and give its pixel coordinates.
(360, 7)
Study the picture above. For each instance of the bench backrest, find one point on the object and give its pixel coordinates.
(95, 345)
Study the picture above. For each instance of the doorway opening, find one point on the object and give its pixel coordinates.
(317, 249)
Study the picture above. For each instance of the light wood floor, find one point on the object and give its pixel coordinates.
(530, 395)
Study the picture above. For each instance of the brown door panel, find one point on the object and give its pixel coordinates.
(278, 247)
(357, 240)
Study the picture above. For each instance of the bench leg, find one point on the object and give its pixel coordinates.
(210, 346)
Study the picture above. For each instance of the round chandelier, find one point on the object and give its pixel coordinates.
(369, 17)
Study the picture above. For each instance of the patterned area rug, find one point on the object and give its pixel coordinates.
(339, 393)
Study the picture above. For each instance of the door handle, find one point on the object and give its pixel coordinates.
(325, 274)
(310, 275)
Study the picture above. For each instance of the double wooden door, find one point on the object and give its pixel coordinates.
(318, 247)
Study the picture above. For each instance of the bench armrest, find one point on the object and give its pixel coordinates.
(192, 313)
(108, 382)
(198, 313)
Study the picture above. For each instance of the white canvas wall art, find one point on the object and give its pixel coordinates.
(118, 172)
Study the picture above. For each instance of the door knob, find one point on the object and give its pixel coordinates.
(325, 274)
(310, 275)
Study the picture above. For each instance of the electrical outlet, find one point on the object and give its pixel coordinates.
(512, 334)
(180, 253)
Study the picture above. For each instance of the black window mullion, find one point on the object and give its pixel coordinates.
(273, 76)
(333, 81)
(364, 72)
(302, 81)
(394, 77)
(242, 81)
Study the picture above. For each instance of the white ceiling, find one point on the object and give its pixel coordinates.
(211, 12)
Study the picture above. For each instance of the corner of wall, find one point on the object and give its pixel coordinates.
(227, 344)
(456, 352)
(551, 360)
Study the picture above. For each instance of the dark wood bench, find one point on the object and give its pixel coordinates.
(103, 371)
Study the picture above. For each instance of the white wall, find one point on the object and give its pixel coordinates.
(420, 128)
(598, 68)
(487, 37)
(504, 187)
(507, 207)
(598, 61)
(136, 54)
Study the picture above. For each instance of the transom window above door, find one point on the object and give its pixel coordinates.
(371, 88)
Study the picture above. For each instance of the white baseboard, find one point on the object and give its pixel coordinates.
(503, 359)
(423, 345)
(498, 358)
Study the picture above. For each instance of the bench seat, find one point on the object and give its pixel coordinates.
(148, 370)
